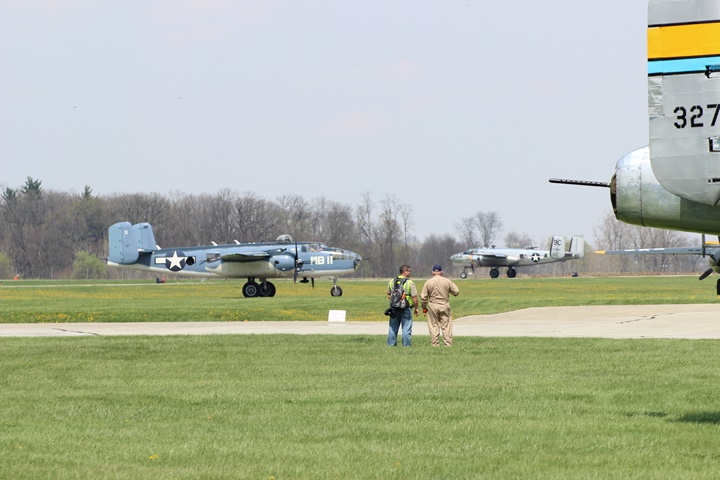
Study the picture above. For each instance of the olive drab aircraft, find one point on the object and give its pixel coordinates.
(674, 182)
(133, 246)
(517, 257)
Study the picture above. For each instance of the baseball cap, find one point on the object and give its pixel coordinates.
(437, 268)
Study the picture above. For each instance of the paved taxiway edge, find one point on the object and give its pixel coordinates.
(609, 321)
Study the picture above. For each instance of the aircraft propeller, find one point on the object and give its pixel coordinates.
(706, 273)
(298, 263)
(713, 261)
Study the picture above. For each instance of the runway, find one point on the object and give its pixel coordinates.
(695, 321)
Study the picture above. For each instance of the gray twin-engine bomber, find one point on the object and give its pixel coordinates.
(674, 182)
(133, 246)
(517, 257)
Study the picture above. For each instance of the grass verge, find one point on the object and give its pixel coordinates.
(363, 300)
(276, 406)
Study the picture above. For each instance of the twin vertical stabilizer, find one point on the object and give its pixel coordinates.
(126, 241)
(577, 248)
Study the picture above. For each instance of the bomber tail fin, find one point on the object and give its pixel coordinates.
(683, 93)
(557, 247)
(126, 242)
(577, 247)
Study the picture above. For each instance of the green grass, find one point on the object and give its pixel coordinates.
(363, 300)
(277, 406)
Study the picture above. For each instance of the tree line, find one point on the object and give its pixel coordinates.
(50, 234)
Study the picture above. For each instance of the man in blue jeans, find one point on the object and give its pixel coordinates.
(403, 317)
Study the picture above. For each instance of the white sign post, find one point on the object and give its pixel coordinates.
(336, 316)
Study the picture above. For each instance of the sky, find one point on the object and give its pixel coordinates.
(454, 107)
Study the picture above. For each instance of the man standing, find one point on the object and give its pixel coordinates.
(402, 316)
(435, 298)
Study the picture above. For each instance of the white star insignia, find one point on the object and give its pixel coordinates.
(175, 261)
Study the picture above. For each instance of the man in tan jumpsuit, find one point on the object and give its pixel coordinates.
(435, 298)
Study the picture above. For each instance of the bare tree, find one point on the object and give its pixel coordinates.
(295, 216)
(612, 234)
(388, 233)
(518, 240)
(255, 219)
(364, 215)
(406, 211)
(466, 228)
(436, 249)
(221, 219)
(339, 226)
(489, 225)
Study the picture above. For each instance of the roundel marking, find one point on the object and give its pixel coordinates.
(176, 262)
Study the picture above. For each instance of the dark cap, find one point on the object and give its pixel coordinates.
(437, 268)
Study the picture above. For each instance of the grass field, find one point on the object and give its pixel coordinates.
(282, 406)
(50, 302)
(276, 406)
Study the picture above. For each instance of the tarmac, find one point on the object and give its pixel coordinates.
(693, 321)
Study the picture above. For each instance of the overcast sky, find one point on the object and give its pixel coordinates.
(453, 106)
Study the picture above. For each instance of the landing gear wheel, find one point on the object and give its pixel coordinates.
(511, 273)
(463, 275)
(336, 291)
(494, 273)
(718, 286)
(267, 289)
(251, 289)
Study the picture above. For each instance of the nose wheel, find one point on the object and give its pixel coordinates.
(335, 291)
(464, 273)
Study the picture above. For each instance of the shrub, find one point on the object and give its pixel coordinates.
(87, 266)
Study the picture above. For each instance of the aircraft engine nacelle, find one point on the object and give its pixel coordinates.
(283, 263)
(638, 198)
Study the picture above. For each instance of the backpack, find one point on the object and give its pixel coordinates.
(397, 294)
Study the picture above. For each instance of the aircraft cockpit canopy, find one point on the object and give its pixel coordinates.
(285, 238)
(312, 247)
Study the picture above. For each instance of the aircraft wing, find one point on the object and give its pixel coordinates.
(713, 254)
(244, 256)
(660, 251)
(491, 255)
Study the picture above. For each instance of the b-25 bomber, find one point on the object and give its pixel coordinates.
(517, 257)
(674, 182)
(133, 246)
